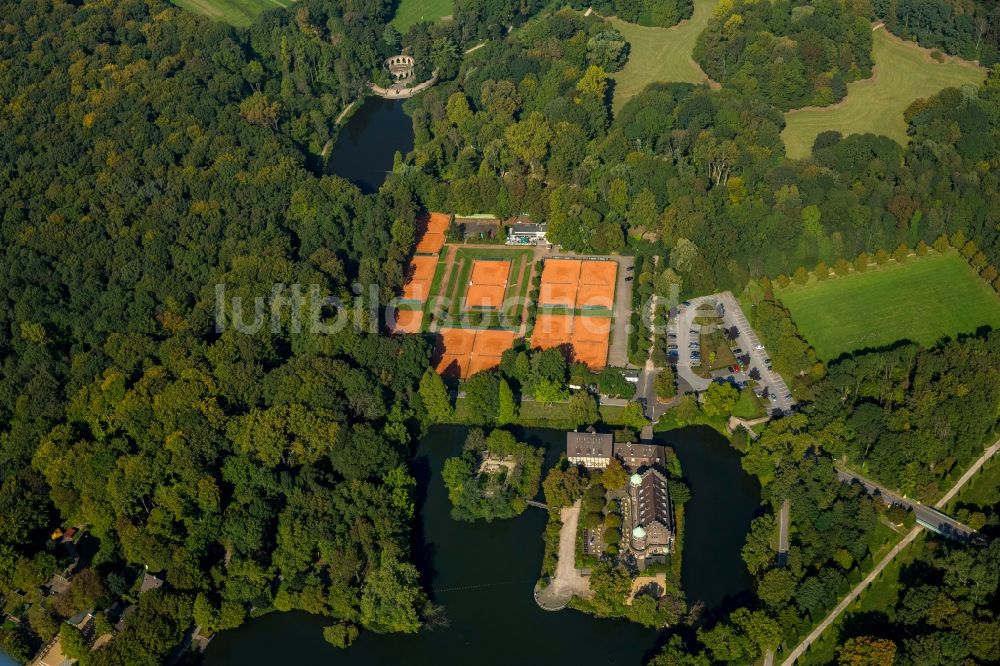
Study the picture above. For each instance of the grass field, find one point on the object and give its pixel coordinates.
(983, 490)
(660, 54)
(922, 299)
(414, 11)
(234, 12)
(903, 73)
(880, 597)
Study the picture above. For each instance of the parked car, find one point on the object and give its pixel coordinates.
(738, 351)
(759, 347)
(628, 279)
(734, 369)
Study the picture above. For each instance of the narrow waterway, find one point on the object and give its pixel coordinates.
(363, 152)
(483, 574)
(724, 500)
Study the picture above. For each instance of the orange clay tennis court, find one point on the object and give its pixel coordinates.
(557, 293)
(490, 271)
(407, 321)
(420, 272)
(593, 354)
(590, 341)
(492, 343)
(430, 233)
(552, 330)
(591, 329)
(453, 366)
(561, 271)
(595, 296)
(487, 284)
(462, 352)
(578, 283)
(437, 223)
(588, 336)
(599, 272)
(597, 285)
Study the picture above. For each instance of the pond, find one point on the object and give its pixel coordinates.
(483, 574)
(363, 152)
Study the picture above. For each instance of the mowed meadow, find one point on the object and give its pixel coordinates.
(903, 72)
(660, 55)
(240, 13)
(923, 300)
(410, 12)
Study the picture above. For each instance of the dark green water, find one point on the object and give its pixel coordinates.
(364, 150)
(484, 575)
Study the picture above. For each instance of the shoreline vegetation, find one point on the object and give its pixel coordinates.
(493, 477)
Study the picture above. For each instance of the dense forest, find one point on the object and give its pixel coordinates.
(914, 417)
(140, 168)
(967, 28)
(792, 54)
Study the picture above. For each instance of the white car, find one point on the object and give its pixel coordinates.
(759, 347)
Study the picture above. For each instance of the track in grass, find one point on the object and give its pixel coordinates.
(903, 72)
(660, 55)
(923, 300)
(234, 12)
(410, 12)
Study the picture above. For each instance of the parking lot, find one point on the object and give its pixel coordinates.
(686, 334)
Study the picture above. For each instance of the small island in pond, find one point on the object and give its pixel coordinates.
(493, 478)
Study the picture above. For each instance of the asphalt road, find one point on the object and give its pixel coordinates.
(947, 525)
(783, 519)
(618, 349)
(682, 325)
(814, 635)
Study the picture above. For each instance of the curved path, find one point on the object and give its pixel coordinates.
(860, 587)
(397, 91)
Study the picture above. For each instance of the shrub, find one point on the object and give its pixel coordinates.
(341, 634)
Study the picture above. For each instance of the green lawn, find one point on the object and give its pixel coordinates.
(660, 54)
(414, 11)
(983, 490)
(234, 12)
(749, 406)
(903, 73)
(923, 300)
